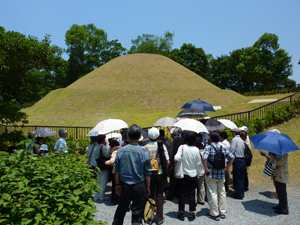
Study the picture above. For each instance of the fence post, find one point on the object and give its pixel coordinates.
(76, 134)
(291, 101)
(249, 115)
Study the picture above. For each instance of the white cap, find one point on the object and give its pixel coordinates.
(44, 147)
(172, 130)
(153, 133)
(244, 128)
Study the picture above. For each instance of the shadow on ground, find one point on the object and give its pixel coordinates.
(260, 207)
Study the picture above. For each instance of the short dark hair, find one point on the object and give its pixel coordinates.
(134, 132)
(224, 134)
(101, 138)
(162, 133)
(38, 139)
(113, 143)
(190, 138)
(214, 137)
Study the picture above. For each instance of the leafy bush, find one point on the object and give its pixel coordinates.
(56, 189)
(8, 139)
(272, 92)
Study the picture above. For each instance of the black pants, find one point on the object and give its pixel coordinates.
(246, 182)
(189, 183)
(135, 193)
(114, 197)
(239, 177)
(282, 195)
(173, 189)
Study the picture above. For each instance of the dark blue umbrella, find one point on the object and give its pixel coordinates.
(198, 104)
(277, 143)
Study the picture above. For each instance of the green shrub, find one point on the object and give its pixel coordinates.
(56, 189)
(10, 139)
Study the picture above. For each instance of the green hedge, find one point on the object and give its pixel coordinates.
(57, 189)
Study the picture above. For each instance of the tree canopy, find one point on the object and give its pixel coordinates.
(88, 48)
(150, 43)
(19, 56)
(263, 66)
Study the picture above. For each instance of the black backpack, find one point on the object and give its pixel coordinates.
(219, 159)
(247, 155)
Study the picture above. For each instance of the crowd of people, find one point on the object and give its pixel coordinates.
(129, 164)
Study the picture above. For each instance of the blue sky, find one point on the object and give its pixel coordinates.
(217, 26)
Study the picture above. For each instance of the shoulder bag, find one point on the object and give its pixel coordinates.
(101, 161)
(90, 157)
(178, 170)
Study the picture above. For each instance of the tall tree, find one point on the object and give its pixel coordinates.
(149, 43)
(19, 55)
(88, 48)
(192, 58)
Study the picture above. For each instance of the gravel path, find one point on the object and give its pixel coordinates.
(255, 208)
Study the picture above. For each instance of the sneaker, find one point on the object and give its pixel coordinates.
(191, 217)
(160, 222)
(180, 216)
(222, 216)
(201, 203)
(216, 218)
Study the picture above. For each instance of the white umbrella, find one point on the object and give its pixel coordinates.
(165, 122)
(228, 123)
(191, 125)
(44, 132)
(107, 126)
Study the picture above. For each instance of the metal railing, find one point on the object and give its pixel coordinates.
(81, 132)
(261, 111)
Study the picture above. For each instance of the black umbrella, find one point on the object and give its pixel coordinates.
(198, 104)
(192, 112)
(212, 125)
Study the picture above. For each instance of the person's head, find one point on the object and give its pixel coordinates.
(190, 138)
(243, 135)
(44, 148)
(235, 131)
(244, 130)
(30, 135)
(175, 132)
(40, 140)
(214, 137)
(101, 139)
(223, 135)
(93, 139)
(199, 135)
(134, 132)
(161, 134)
(153, 134)
(113, 143)
(63, 133)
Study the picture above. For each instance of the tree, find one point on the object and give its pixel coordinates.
(19, 55)
(88, 48)
(192, 58)
(274, 64)
(149, 43)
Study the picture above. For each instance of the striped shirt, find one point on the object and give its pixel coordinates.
(152, 149)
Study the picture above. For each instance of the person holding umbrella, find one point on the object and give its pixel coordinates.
(280, 178)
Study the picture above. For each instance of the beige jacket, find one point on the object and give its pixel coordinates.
(112, 159)
(281, 173)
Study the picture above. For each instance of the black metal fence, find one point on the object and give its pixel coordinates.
(261, 111)
(81, 132)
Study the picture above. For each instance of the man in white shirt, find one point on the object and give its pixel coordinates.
(61, 144)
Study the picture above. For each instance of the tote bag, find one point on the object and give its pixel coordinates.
(269, 169)
(178, 170)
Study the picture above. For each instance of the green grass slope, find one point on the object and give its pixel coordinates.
(138, 88)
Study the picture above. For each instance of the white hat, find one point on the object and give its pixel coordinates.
(244, 128)
(172, 130)
(44, 148)
(153, 133)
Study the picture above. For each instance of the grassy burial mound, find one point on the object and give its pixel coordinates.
(138, 88)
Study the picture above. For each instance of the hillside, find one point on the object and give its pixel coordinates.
(137, 88)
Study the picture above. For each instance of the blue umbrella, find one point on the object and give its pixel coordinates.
(198, 104)
(277, 143)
